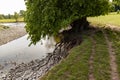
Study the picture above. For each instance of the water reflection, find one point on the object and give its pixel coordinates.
(19, 51)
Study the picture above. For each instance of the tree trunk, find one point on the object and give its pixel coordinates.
(80, 24)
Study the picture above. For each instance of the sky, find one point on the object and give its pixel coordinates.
(11, 6)
(110, 0)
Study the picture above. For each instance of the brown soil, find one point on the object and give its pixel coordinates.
(91, 75)
(10, 34)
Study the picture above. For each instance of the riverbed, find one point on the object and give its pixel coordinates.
(18, 51)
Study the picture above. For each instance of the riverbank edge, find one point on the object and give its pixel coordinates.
(11, 33)
(11, 21)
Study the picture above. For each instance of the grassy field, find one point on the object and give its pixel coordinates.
(11, 20)
(112, 18)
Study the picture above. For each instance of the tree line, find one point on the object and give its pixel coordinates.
(14, 16)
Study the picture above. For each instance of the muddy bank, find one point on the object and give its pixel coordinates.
(35, 69)
(12, 33)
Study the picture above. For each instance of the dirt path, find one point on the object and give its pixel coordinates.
(114, 73)
(10, 34)
(91, 76)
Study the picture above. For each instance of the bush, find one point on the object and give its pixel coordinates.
(118, 11)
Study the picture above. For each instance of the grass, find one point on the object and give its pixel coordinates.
(111, 18)
(11, 20)
(101, 58)
(114, 37)
(75, 66)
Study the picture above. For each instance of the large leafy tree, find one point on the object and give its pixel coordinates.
(116, 4)
(47, 17)
(117, 1)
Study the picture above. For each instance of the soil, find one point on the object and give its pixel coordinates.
(91, 61)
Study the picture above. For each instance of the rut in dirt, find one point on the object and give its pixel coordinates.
(114, 72)
(91, 61)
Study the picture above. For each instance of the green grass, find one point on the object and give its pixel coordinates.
(75, 66)
(112, 18)
(101, 58)
(11, 20)
(115, 38)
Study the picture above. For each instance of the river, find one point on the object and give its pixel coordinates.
(18, 51)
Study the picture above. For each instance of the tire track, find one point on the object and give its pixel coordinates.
(114, 73)
(91, 61)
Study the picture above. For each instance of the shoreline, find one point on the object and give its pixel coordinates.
(7, 35)
(10, 34)
(12, 22)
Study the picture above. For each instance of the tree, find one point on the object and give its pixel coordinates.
(1, 16)
(22, 13)
(116, 4)
(47, 17)
(16, 16)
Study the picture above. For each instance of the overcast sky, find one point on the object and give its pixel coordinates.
(11, 6)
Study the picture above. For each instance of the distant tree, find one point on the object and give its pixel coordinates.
(1, 16)
(22, 13)
(48, 17)
(9, 16)
(116, 4)
(16, 16)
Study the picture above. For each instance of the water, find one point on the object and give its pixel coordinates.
(19, 24)
(18, 51)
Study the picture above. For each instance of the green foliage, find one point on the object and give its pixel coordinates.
(22, 13)
(116, 4)
(118, 11)
(112, 7)
(1, 16)
(47, 17)
(16, 16)
(9, 16)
